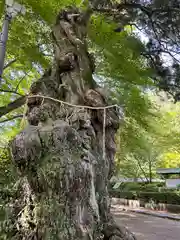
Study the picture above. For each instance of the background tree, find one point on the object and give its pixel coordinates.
(155, 144)
(138, 151)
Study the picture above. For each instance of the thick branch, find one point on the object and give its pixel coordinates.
(12, 106)
(11, 118)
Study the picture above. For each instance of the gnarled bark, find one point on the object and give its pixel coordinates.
(59, 155)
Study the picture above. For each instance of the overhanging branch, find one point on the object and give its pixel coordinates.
(10, 63)
(11, 118)
(10, 91)
(12, 106)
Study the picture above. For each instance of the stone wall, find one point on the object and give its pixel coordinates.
(138, 203)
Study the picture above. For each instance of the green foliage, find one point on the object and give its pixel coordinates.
(137, 154)
(167, 133)
(134, 186)
(8, 191)
(5, 166)
(8, 177)
(169, 160)
(124, 71)
(144, 148)
(118, 51)
(157, 197)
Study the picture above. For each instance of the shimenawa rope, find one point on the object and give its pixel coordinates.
(78, 106)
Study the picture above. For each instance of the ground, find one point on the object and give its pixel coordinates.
(148, 227)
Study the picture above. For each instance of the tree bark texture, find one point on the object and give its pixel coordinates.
(63, 174)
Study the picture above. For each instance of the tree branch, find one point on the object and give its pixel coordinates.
(141, 168)
(10, 63)
(10, 91)
(12, 106)
(11, 118)
(21, 80)
(144, 9)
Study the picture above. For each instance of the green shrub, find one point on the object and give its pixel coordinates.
(127, 186)
(135, 186)
(151, 187)
(157, 197)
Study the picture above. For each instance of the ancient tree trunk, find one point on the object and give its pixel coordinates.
(59, 155)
